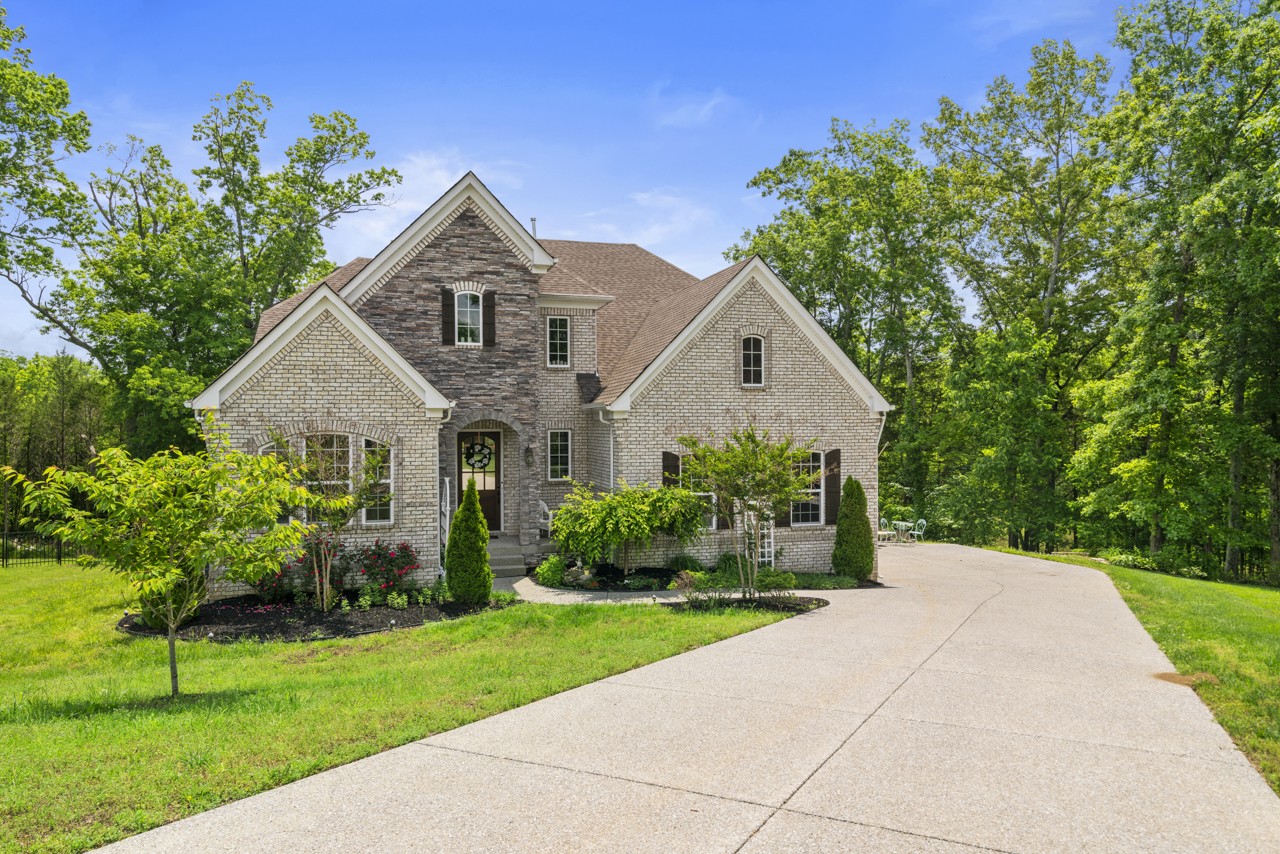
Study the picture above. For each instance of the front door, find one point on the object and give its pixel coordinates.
(480, 457)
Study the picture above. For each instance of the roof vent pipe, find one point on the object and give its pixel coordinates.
(533, 220)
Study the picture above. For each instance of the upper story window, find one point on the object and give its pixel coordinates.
(469, 319)
(557, 342)
(753, 360)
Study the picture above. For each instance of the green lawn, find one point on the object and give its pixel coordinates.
(92, 749)
(1231, 631)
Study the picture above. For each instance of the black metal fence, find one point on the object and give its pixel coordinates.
(19, 548)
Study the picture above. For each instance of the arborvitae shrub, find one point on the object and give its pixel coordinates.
(855, 551)
(466, 561)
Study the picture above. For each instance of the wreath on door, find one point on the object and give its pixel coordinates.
(477, 455)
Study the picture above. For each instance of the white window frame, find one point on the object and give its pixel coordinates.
(568, 341)
(816, 490)
(742, 361)
(390, 480)
(568, 437)
(710, 496)
(457, 318)
(350, 461)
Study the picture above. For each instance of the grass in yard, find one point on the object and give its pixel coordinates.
(1229, 630)
(92, 749)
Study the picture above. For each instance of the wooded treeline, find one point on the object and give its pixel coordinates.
(1117, 382)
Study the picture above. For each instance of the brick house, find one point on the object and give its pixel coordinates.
(471, 349)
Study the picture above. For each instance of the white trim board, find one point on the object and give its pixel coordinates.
(759, 270)
(468, 189)
(320, 300)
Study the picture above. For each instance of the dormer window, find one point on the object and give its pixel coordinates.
(753, 361)
(469, 319)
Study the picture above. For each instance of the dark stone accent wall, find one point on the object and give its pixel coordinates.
(406, 311)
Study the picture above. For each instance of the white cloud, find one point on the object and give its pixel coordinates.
(652, 218)
(427, 175)
(690, 110)
(997, 21)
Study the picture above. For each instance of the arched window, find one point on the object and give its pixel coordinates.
(753, 360)
(469, 318)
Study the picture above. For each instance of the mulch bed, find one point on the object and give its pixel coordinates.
(781, 604)
(247, 618)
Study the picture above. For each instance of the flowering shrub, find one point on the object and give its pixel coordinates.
(298, 576)
(384, 568)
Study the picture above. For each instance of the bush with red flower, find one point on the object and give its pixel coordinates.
(384, 568)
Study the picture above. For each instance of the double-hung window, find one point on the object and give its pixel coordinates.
(699, 488)
(468, 319)
(328, 458)
(378, 509)
(558, 455)
(753, 361)
(557, 342)
(809, 510)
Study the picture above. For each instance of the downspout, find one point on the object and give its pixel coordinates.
(609, 424)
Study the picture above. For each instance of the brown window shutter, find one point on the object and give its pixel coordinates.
(489, 332)
(447, 324)
(832, 486)
(670, 469)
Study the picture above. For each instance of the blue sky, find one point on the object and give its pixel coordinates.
(607, 121)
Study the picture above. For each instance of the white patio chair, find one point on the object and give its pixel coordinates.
(886, 533)
(917, 533)
(544, 522)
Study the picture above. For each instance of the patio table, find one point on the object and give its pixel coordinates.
(901, 528)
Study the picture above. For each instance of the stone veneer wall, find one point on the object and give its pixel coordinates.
(495, 383)
(326, 381)
(701, 393)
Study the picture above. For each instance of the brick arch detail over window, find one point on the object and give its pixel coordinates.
(303, 427)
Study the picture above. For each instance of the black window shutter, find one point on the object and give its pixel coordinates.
(447, 325)
(832, 486)
(490, 332)
(724, 515)
(670, 469)
(783, 520)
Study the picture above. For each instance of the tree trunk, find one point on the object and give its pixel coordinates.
(173, 660)
(1275, 522)
(1235, 504)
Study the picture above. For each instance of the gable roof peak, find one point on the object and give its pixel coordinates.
(469, 192)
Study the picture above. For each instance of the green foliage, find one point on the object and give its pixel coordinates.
(550, 573)
(397, 601)
(684, 563)
(466, 562)
(597, 526)
(754, 479)
(386, 567)
(854, 554)
(768, 579)
(161, 523)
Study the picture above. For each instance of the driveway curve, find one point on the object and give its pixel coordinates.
(978, 701)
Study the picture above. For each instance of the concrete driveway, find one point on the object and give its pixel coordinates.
(979, 701)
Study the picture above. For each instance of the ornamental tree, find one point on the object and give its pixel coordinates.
(595, 527)
(855, 550)
(162, 523)
(466, 557)
(755, 480)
